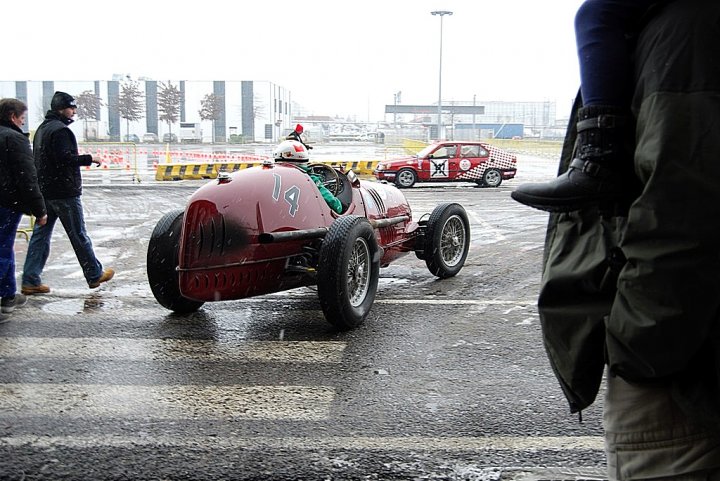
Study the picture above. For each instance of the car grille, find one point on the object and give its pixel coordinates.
(209, 238)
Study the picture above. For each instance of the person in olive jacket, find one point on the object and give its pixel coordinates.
(19, 194)
(58, 167)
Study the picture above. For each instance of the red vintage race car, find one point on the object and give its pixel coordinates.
(450, 161)
(267, 229)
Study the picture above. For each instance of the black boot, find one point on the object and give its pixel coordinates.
(601, 173)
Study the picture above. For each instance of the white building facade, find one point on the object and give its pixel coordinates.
(252, 111)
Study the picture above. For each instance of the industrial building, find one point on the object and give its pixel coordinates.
(262, 111)
(251, 111)
(473, 120)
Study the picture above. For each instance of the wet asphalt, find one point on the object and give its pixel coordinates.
(446, 380)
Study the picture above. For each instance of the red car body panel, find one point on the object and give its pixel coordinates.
(451, 161)
(221, 254)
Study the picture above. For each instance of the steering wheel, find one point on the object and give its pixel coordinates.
(331, 178)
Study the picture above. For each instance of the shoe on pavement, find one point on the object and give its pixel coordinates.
(106, 276)
(8, 304)
(29, 290)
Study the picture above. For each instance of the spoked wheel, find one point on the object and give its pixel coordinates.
(162, 260)
(447, 240)
(348, 271)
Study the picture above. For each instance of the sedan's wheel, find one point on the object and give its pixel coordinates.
(348, 271)
(405, 178)
(162, 260)
(492, 178)
(447, 240)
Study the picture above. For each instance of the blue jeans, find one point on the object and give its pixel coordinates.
(70, 213)
(9, 220)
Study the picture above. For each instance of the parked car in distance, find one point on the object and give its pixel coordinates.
(170, 138)
(131, 138)
(450, 161)
(150, 138)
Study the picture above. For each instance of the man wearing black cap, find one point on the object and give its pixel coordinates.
(58, 167)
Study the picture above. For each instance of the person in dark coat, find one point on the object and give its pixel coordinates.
(19, 194)
(634, 294)
(58, 167)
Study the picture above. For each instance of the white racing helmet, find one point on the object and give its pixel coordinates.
(291, 151)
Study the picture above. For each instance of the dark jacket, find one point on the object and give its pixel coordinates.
(642, 292)
(19, 188)
(56, 158)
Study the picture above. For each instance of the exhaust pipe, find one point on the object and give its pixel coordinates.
(378, 223)
(292, 235)
(319, 233)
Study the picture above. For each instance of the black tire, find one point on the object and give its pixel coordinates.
(447, 240)
(348, 271)
(162, 260)
(492, 178)
(405, 178)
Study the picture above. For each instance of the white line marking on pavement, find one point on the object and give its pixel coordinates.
(404, 443)
(475, 302)
(171, 349)
(166, 402)
(310, 296)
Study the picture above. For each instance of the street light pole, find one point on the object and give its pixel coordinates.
(396, 98)
(442, 13)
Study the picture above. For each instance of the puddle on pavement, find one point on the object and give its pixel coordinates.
(71, 307)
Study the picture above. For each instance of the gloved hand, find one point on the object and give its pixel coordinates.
(87, 159)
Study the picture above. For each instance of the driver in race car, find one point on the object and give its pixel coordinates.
(296, 153)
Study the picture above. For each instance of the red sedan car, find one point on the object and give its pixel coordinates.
(450, 161)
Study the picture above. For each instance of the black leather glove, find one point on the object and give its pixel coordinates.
(87, 159)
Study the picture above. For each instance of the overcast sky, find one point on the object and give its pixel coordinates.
(336, 57)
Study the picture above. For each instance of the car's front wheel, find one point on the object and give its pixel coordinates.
(348, 271)
(162, 261)
(405, 178)
(447, 240)
(492, 178)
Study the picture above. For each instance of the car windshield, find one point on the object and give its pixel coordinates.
(425, 151)
(438, 151)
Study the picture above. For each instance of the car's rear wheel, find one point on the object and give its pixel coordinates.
(447, 240)
(405, 178)
(492, 178)
(348, 271)
(162, 260)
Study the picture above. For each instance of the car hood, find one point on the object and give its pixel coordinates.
(399, 162)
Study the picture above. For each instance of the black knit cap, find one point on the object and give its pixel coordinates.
(61, 101)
